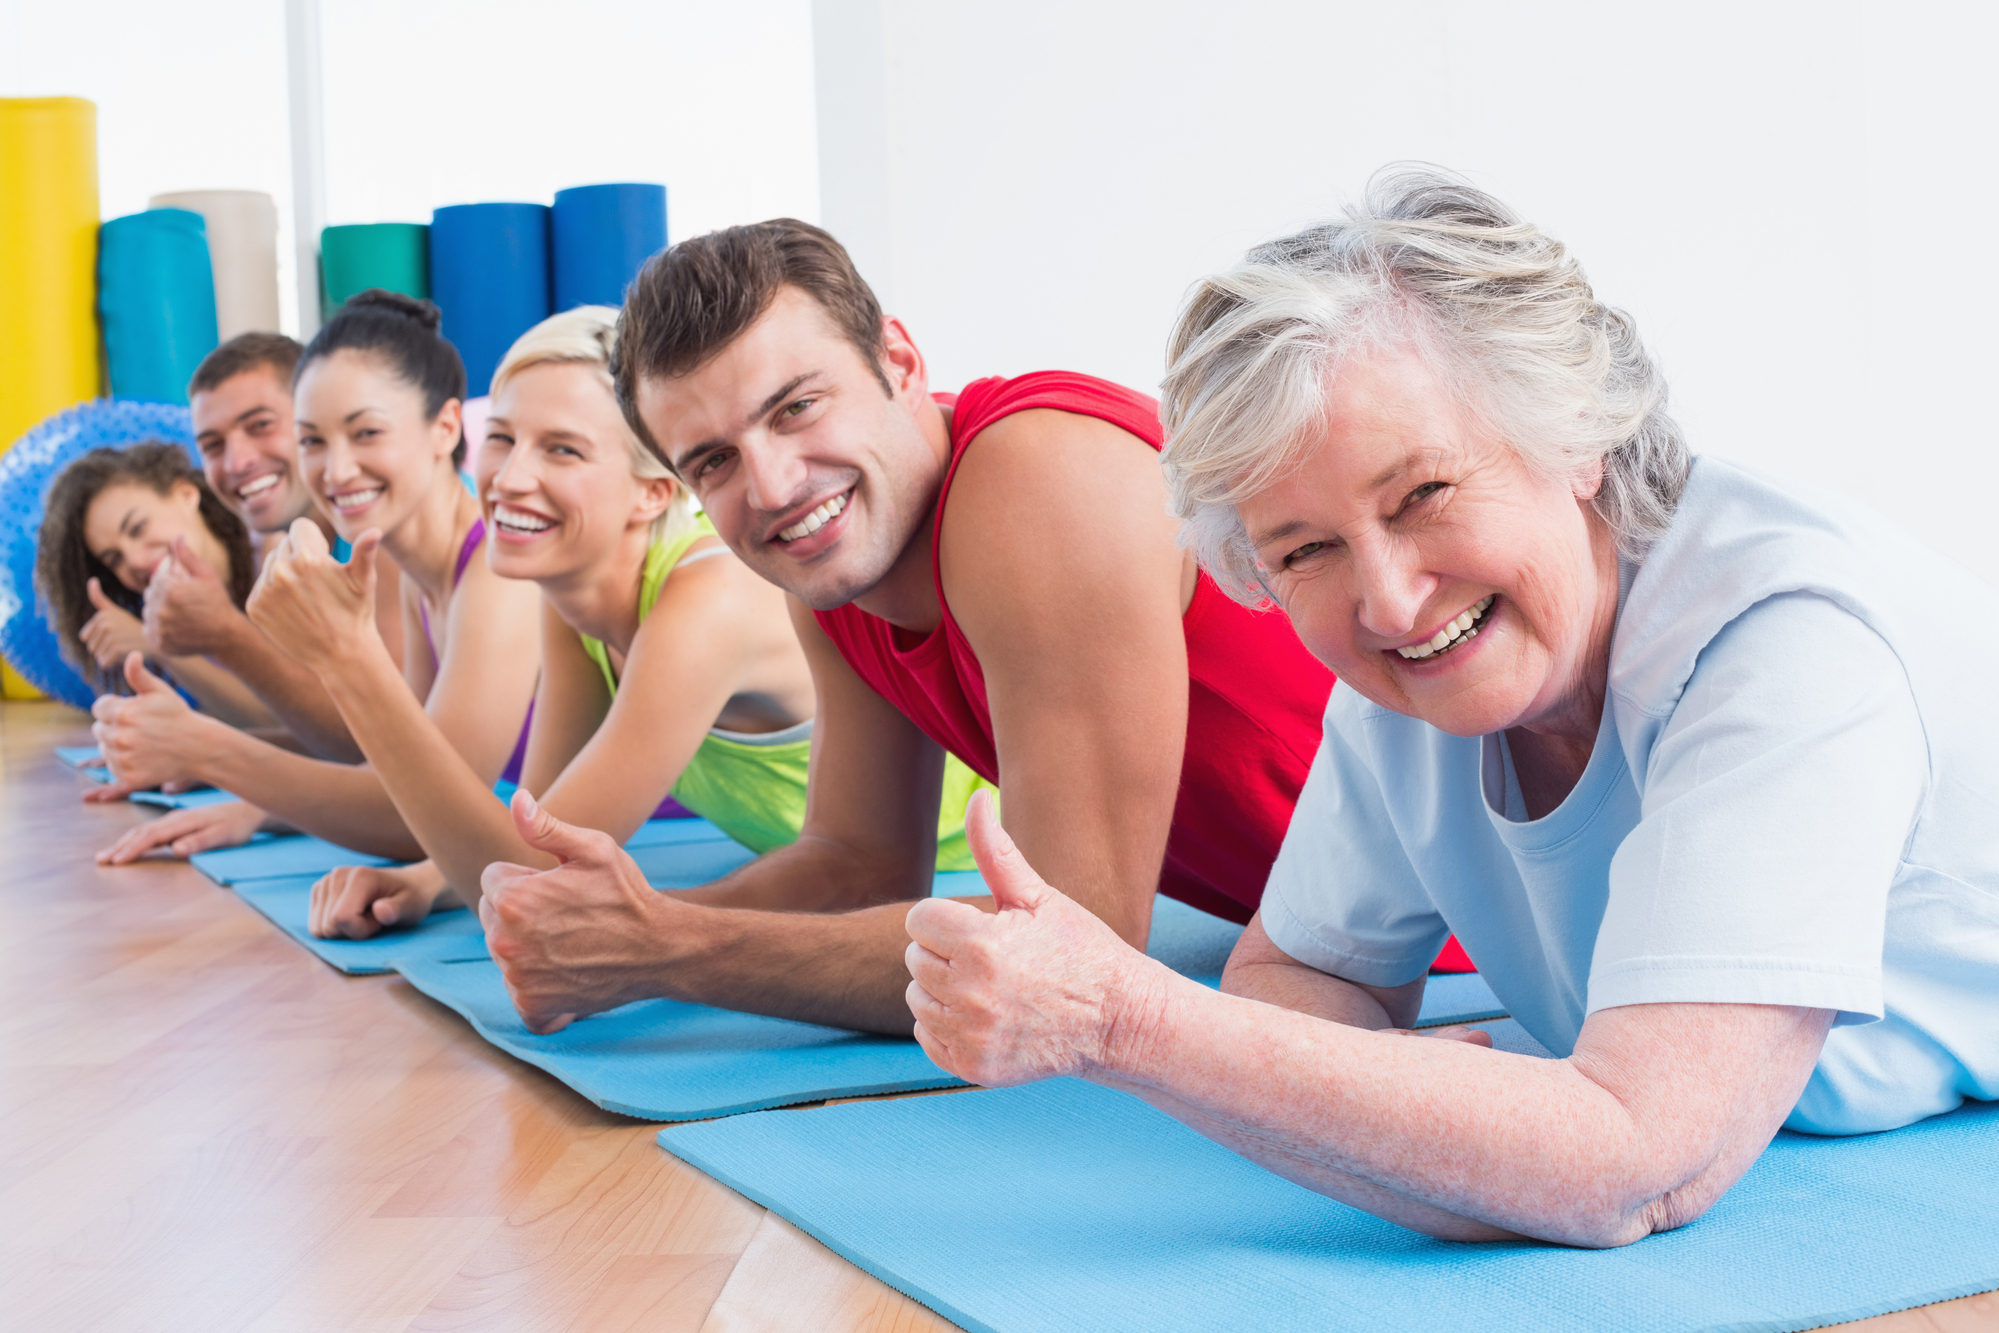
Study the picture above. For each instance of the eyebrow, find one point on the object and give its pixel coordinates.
(763, 409)
(125, 523)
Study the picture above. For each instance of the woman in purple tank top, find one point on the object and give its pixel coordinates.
(379, 394)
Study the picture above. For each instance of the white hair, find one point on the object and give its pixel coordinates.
(587, 336)
(1498, 309)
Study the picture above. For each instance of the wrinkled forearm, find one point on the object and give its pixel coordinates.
(1443, 1137)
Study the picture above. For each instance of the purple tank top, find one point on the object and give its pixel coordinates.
(473, 536)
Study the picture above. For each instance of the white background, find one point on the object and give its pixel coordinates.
(1793, 199)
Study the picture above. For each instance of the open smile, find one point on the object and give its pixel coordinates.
(353, 502)
(1454, 635)
(520, 524)
(817, 519)
(257, 486)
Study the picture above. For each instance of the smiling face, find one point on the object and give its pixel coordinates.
(368, 453)
(1423, 561)
(249, 448)
(813, 474)
(130, 528)
(555, 475)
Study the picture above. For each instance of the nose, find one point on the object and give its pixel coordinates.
(1389, 585)
(773, 475)
(337, 464)
(237, 455)
(517, 474)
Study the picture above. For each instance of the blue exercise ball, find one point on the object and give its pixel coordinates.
(26, 472)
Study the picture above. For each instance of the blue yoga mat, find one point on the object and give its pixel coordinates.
(489, 274)
(156, 294)
(443, 935)
(679, 853)
(266, 857)
(600, 235)
(80, 756)
(665, 1060)
(186, 800)
(1062, 1205)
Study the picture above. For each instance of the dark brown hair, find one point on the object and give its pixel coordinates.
(246, 352)
(693, 299)
(65, 564)
(403, 331)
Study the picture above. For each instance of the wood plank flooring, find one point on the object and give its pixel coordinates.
(202, 1127)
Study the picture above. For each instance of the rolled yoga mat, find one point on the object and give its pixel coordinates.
(600, 236)
(489, 275)
(156, 293)
(1062, 1205)
(242, 251)
(48, 273)
(394, 255)
(26, 473)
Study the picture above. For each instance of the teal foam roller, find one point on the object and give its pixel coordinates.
(156, 294)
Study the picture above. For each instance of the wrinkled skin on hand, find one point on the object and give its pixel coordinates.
(113, 633)
(572, 941)
(146, 737)
(1039, 989)
(360, 902)
(188, 608)
(182, 833)
(312, 606)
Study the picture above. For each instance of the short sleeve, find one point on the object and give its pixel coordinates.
(1343, 896)
(1778, 801)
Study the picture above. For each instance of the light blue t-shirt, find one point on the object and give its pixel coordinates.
(1793, 799)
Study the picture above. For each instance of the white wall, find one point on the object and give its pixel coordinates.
(432, 102)
(1791, 199)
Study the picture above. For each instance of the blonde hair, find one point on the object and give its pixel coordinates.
(1496, 306)
(586, 336)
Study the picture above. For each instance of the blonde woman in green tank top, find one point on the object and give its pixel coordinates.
(668, 667)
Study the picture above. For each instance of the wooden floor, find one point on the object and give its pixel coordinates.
(202, 1126)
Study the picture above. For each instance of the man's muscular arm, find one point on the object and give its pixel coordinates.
(1059, 563)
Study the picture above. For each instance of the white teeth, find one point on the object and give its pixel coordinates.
(357, 499)
(516, 521)
(1461, 630)
(252, 489)
(815, 520)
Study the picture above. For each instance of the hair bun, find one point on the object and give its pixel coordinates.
(423, 312)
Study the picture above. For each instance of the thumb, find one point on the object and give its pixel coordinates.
(307, 539)
(1014, 882)
(361, 561)
(544, 832)
(189, 562)
(97, 597)
(141, 680)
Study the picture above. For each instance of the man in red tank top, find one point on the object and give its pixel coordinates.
(992, 573)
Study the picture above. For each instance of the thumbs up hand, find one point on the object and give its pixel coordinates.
(316, 609)
(580, 938)
(188, 608)
(113, 632)
(1038, 989)
(151, 737)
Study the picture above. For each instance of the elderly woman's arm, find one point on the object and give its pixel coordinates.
(1658, 1111)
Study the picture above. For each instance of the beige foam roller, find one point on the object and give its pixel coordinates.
(243, 248)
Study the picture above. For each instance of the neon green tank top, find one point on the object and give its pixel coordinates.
(752, 787)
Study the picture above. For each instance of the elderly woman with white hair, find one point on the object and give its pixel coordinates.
(1699, 764)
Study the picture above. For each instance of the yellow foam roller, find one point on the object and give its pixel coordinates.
(48, 267)
(48, 259)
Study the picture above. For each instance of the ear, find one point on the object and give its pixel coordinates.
(185, 494)
(903, 364)
(1586, 483)
(450, 424)
(655, 497)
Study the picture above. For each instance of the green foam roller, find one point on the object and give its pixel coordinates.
(395, 255)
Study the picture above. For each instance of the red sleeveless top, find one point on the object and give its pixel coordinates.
(1255, 697)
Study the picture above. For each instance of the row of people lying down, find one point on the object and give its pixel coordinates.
(1696, 764)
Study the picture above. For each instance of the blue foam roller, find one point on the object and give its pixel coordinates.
(489, 274)
(601, 235)
(156, 293)
(27, 470)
